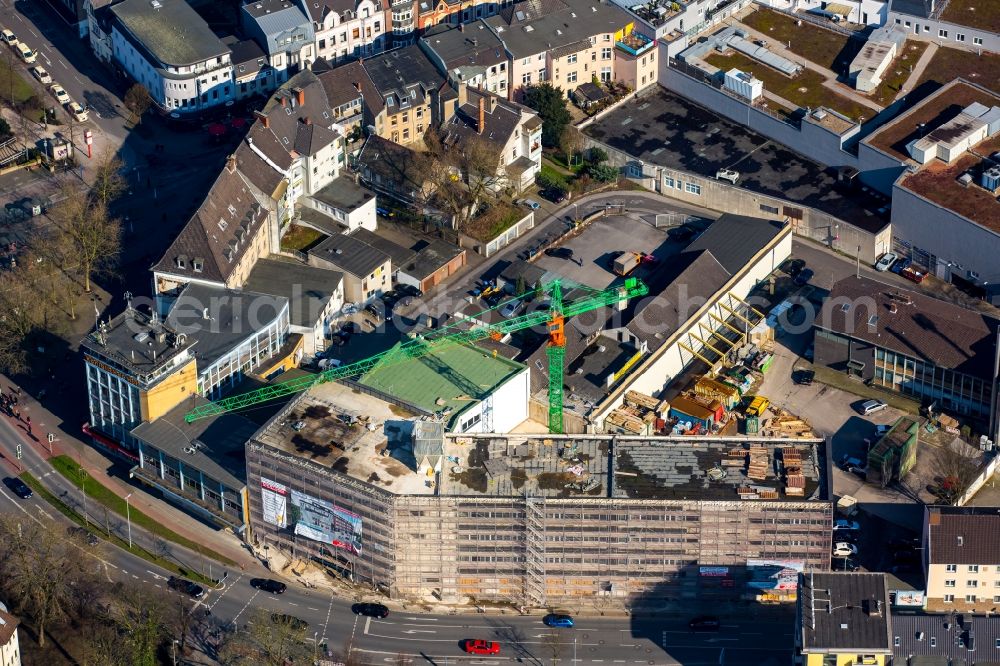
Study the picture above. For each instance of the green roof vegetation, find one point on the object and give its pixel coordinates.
(446, 381)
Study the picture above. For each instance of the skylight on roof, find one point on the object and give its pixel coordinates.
(845, 307)
(873, 320)
(223, 224)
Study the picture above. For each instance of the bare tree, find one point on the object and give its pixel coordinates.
(94, 236)
(137, 101)
(958, 465)
(109, 182)
(140, 616)
(41, 572)
(466, 174)
(268, 640)
(571, 143)
(18, 304)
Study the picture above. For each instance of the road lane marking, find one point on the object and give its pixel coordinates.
(225, 590)
(235, 622)
(419, 631)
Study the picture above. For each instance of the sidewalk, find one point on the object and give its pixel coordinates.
(918, 69)
(98, 465)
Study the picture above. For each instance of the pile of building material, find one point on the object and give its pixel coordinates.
(795, 481)
(786, 425)
(641, 415)
(759, 464)
(713, 389)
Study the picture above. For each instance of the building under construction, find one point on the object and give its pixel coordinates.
(537, 520)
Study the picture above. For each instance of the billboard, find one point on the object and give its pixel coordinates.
(908, 598)
(310, 517)
(766, 574)
(713, 571)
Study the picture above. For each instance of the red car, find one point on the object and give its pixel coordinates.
(913, 274)
(478, 646)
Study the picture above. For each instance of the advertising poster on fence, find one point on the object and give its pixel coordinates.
(310, 517)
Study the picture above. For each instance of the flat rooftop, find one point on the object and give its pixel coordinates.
(170, 30)
(844, 611)
(639, 468)
(343, 193)
(667, 130)
(939, 108)
(141, 344)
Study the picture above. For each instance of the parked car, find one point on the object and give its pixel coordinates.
(59, 93)
(846, 525)
(18, 487)
(479, 646)
(872, 406)
(554, 195)
(913, 275)
(680, 233)
(379, 311)
(705, 623)
(560, 620)
(886, 262)
(793, 266)
(78, 112)
(802, 279)
(384, 212)
(531, 203)
(805, 377)
(187, 587)
(27, 54)
(41, 74)
(844, 549)
(559, 252)
(268, 585)
(290, 620)
(900, 265)
(409, 290)
(83, 534)
(512, 308)
(8, 36)
(370, 610)
(846, 564)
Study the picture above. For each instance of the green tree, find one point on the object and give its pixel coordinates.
(550, 103)
(267, 640)
(598, 155)
(520, 287)
(603, 173)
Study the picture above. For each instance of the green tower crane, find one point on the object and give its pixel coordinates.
(463, 331)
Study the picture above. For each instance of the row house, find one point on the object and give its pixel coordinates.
(348, 29)
(469, 54)
(409, 94)
(284, 32)
(457, 12)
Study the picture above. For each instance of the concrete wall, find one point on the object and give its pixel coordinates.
(501, 411)
(815, 142)
(958, 244)
(877, 169)
(946, 34)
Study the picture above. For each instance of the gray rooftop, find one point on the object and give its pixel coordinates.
(406, 73)
(400, 255)
(842, 612)
(170, 31)
(307, 288)
(278, 18)
(535, 26)
(472, 45)
(350, 255)
(343, 193)
(213, 445)
(734, 239)
(232, 317)
(137, 342)
(963, 637)
(431, 258)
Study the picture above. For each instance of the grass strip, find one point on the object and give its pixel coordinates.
(95, 490)
(112, 538)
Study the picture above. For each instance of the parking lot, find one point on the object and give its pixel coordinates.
(665, 129)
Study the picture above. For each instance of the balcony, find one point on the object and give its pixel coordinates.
(635, 44)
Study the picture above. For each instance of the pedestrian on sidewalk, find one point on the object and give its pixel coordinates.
(17, 414)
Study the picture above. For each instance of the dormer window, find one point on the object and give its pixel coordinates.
(181, 261)
(389, 101)
(198, 264)
(223, 224)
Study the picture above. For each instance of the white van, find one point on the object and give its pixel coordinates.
(27, 55)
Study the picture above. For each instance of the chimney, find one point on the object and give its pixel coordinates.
(264, 120)
(493, 103)
(307, 120)
(283, 101)
(231, 163)
(482, 116)
(463, 93)
(357, 86)
(300, 96)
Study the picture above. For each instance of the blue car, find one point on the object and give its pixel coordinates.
(557, 620)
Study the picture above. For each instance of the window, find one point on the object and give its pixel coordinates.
(970, 598)
(933, 641)
(606, 38)
(951, 568)
(571, 60)
(959, 37)
(668, 181)
(692, 188)
(896, 641)
(996, 599)
(571, 77)
(606, 53)
(949, 599)
(949, 583)
(769, 209)
(978, 41)
(541, 74)
(943, 33)
(973, 568)
(526, 78)
(972, 583)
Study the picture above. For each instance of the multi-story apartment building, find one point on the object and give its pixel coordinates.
(252, 71)
(403, 20)
(571, 42)
(285, 33)
(410, 90)
(469, 54)
(10, 648)
(347, 29)
(843, 619)
(169, 49)
(457, 12)
(961, 559)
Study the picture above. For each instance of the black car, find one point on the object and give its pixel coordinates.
(681, 233)
(409, 290)
(554, 195)
(268, 585)
(83, 534)
(802, 279)
(705, 623)
(845, 564)
(559, 252)
(793, 266)
(187, 587)
(370, 610)
(18, 487)
(379, 310)
(290, 620)
(805, 377)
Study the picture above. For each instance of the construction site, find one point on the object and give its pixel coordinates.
(531, 520)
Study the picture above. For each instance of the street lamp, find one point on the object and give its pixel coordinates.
(173, 648)
(128, 520)
(83, 491)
